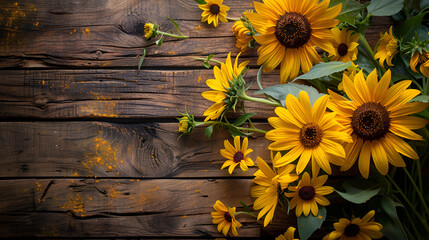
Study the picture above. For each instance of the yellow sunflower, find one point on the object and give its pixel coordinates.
(308, 194)
(289, 235)
(225, 218)
(236, 155)
(345, 45)
(214, 11)
(423, 59)
(309, 133)
(377, 117)
(289, 31)
(269, 183)
(349, 72)
(220, 85)
(356, 229)
(183, 125)
(242, 34)
(387, 48)
(150, 30)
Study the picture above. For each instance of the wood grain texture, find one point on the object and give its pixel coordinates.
(109, 33)
(100, 149)
(53, 94)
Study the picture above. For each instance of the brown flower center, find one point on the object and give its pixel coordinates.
(214, 9)
(342, 49)
(307, 193)
(292, 30)
(227, 217)
(351, 230)
(310, 135)
(238, 156)
(370, 121)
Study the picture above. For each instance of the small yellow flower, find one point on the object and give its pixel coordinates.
(214, 11)
(183, 125)
(423, 59)
(356, 229)
(349, 72)
(225, 218)
(270, 186)
(308, 194)
(150, 30)
(387, 48)
(242, 34)
(236, 155)
(345, 44)
(289, 235)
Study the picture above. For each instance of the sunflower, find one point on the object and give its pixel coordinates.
(308, 194)
(356, 229)
(183, 125)
(225, 218)
(308, 132)
(243, 34)
(376, 118)
(150, 30)
(387, 48)
(236, 155)
(222, 89)
(270, 184)
(423, 59)
(289, 31)
(214, 11)
(289, 235)
(345, 44)
(349, 72)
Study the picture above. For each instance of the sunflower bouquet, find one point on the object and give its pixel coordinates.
(341, 105)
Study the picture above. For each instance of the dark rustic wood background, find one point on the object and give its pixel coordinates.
(88, 144)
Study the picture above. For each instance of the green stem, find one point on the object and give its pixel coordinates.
(418, 85)
(171, 35)
(418, 191)
(336, 78)
(366, 45)
(410, 205)
(248, 213)
(260, 100)
(410, 219)
(205, 59)
(232, 19)
(252, 129)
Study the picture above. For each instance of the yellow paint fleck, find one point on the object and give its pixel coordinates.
(197, 191)
(184, 216)
(166, 109)
(76, 204)
(198, 27)
(199, 79)
(171, 52)
(43, 82)
(87, 31)
(101, 154)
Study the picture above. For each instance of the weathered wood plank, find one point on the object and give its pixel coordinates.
(125, 208)
(109, 34)
(99, 149)
(112, 93)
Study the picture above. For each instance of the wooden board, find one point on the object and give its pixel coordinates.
(59, 94)
(108, 34)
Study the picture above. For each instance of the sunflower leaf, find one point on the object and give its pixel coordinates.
(159, 41)
(324, 69)
(246, 208)
(208, 131)
(388, 217)
(175, 25)
(359, 190)
(200, 1)
(385, 7)
(259, 77)
(350, 9)
(141, 59)
(242, 119)
(307, 225)
(235, 131)
(421, 98)
(280, 92)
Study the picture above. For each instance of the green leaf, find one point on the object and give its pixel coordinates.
(246, 208)
(141, 59)
(392, 227)
(307, 225)
(242, 119)
(324, 69)
(259, 77)
(349, 10)
(208, 131)
(280, 92)
(385, 7)
(236, 132)
(206, 65)
(200, 1)
(175, 25)
(159, 41)
(421, 98)
(359, 190)
(408, 28)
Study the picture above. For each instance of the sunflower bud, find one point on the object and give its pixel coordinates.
(150, 30)
(186, 123)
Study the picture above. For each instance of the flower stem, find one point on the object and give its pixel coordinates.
(418, 191)
(205, 59)
(366, 45)
(252, 129)
(260, 100)
(172, 35)
(232, 19)
(248, 213)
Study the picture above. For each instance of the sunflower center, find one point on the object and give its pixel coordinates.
(238, 156)
(342, 49)
(214, 8)
(307, 193)
(310, 135)
(370, 121)
(227, 217)
(351, 230)
(292, 30)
